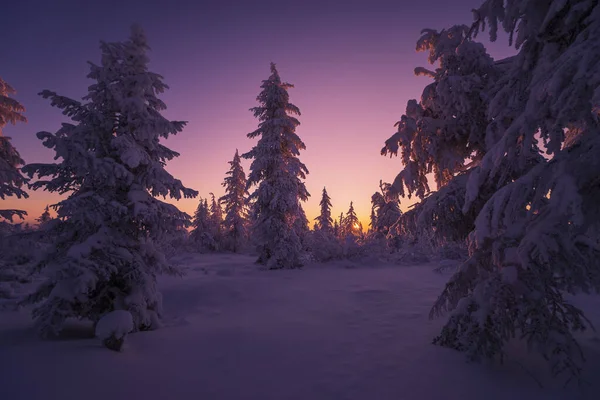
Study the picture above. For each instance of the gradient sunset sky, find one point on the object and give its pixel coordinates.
(351, 63)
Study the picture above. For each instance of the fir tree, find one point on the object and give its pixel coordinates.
(351, 223)
(301, 225)
(385, 210)
(236, 213)
(201, 234)
(216, 220)
(200, 219)
(324, 220)
(535, 219)
(372, 217)
(11, 180)
(45, 217)
(445, 134)
(111, 168)
(341, 226)
(277, 172)
(324, 244)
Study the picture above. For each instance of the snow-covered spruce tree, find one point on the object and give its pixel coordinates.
(537, 237)
(325, 244)
(277, 172)
(444, 134)
(11, 180)
(301, 225)
(341, 233)
(201, 235)
(438, 220)
(446, 129)
(45, 223)
(235, 224)
(386, 209)
(351, 223)
(216, 220)
(351, 235)
(111, 168)
(16, 246)
(324, 220)
(372, 217)
(45, 217)
(375, 203)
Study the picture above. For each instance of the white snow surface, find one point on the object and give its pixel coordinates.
(342, 330)
(118, 323)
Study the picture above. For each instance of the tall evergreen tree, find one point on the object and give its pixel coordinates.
(531, 221)
(11, 180)
(235, 199)
(324, 220)
(537, 237)
(277, 172)
(444, 135)
(112, 168)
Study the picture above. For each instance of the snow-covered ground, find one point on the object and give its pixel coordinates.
(232, 331)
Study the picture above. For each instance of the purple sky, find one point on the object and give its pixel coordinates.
(351, 62)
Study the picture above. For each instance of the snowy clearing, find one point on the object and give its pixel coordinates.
(232, 331)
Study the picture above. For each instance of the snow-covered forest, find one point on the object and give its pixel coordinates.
(496, 264)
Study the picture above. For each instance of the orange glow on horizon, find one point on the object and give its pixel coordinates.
(351, 87)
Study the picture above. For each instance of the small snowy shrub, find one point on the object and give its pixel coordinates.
(324, 246)
(112, 329)
(20, 251)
